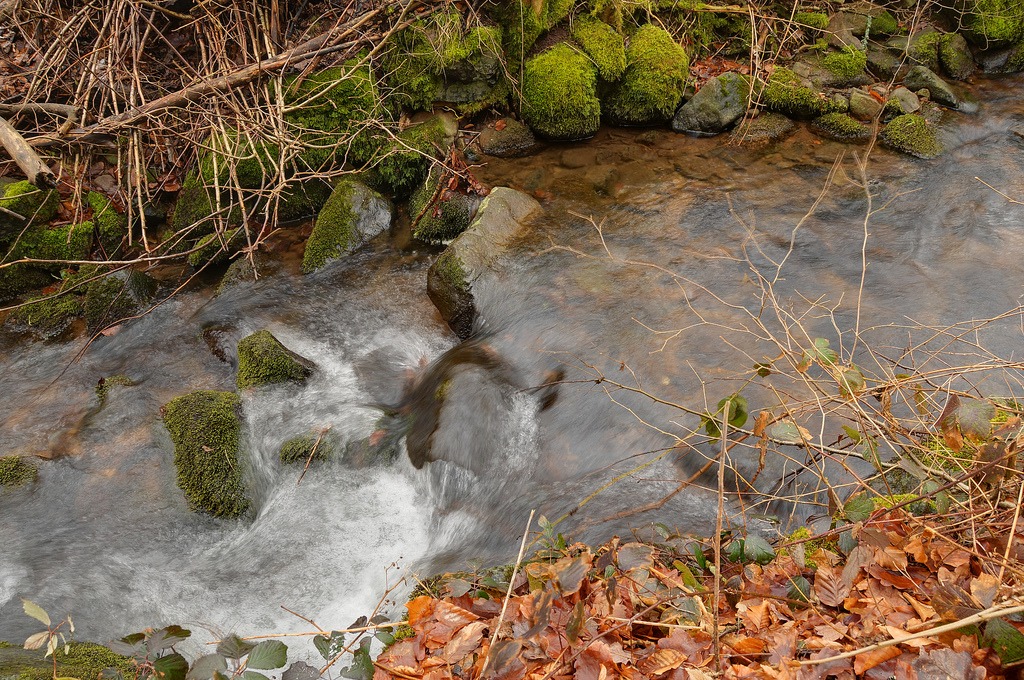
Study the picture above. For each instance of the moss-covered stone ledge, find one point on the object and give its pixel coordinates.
(263, 360)
(205, 428)
(450, 279)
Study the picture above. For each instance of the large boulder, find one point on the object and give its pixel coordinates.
(788, 93)
(263, 360)
(353, 214)
(205, 428)
(652, 86)
(991, 23)
(560, 94)
(451, 278)
(25, 205)
(955, 56)
(716, 107)
(603, 44)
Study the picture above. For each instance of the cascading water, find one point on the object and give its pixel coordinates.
(106, 535)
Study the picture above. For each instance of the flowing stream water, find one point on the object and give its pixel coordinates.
(656, 295)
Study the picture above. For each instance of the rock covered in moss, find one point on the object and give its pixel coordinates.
(513, 139)
(16, 471)
(245, 270)
(922, 78)
(117, 296)
(652, 86)
(955, 56)
(991, 23)
(205, 428)
(923, 48)
(111, 226)
(25, 205)
(450, 279)
(901, 100)
(47, 316)
(524, 21)
(716, 106)
(603, 44)
(560, 94)
(67, 242)
(82, 660)
(764, 129)
(787, 93)
(104, 386)
(18, 279)
(300, 200)
(841, 127)
(263, 360)
(353, 214)
(217, 247)
(817, 21)
(846, 66)
(438, 213)
(407, 162)
(322, 446)
(912, 135)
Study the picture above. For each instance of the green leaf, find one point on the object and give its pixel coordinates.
(854, 435)
(942, 502)
(205, 667)
(975, 418)
(268, 655)
(689, 579)
(851, 382)
(711, 426)
(124, 648)
(329, 647)
(36, 612)
(847, 542)
(171, 667)
(763, 369)
(362, 664)
(824, 354)
(110, 674)
(253, 675)
(756, 549)
(165, 638)
(1006, 640)
(234, 647)
(738, 414)
(788, 432)
(799, 589)
(698, 555)
(734, 552)
(572, 629)
(663, 531)
(858, 508)
(386, 638)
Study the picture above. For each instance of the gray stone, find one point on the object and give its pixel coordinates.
(764, 129)
(452, 277)
(883, 62)
(923, 78)
(512, 140)
(863, 106)
(715, 107)
(905, 99)
(353, 215)
(844, 27)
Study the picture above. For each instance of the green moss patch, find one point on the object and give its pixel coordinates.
(991, 23)
(442, 214)
(84, 660)
(814, 20)
(847, 64)
(406, 164)
(652, 86)
(31, 205)
(47, 315)
(16, 471)
(322, 447)
(217, 247)
(111, 226)
(263, 360)
(603, 45)
(560, 94)
(787, 94)
(912, 135)
(117, 297)
(353, 214)
(841, 127)
(205, 429)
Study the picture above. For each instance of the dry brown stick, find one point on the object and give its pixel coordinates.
(37, 172)
(241, 76)
(66, 110)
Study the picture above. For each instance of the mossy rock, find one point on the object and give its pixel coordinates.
(816, 21)
(883, 24)
(84, 660)
(352, 215)
(196, 212)
(786, 93)
(603, 45)
(16, 471)
(912, 135)
(205, 428)
(955, 56)
(522, 25)
(991, 23)
(300, 200)
(111, 226)
(298, 449)
(440, 213)
(68, 242)
(33, 207)
(117, 296)
(841, 127)
(217, 247)
(401, 170)
(560, 94)
(923, 78)
(263, 360)
(47, 316)
(244, 270)
(105, 385)
(766, 128)
(846, 66)
(716, 106)
(512, 140)
(923, 48)
(651, 88)
(17, 279)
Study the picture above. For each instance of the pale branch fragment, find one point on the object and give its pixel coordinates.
(37, 172)
(67, 110)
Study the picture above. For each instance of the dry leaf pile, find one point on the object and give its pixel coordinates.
(906, 602)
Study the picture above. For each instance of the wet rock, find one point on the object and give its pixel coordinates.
(245, 270)
(450, 279)
(316, 447)
(841, 127)
(512, 140)
(560, 94)
(863, 106)
(438, 213)
(904, 100)
(117, 296)
(792, 95)
(715, 107)
(764, 129)
(922, 78)
(955, 56)
(652, 86)
(263, 360)
(923, 48)
(24, 205)
(991, 23)
(846, 67)
(578, 157)
(16, 471)
(353, 215)
(912, 135)
(883, 62)
(205, 427)
(844, 28)
(47, 316)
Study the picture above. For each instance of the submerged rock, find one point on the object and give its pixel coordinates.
(652, 86)
(263, 360)
(353, 215)
(912, 135)
(560, 94)
(205, 428)
(117, 296)
(716, 106)
(841, 127)
(322, 446)
(512, 140)
(450, 279)
(764, 129)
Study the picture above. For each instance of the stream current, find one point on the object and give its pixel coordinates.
(655, 296)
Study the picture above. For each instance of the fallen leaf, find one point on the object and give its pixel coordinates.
(868, 660)
(829, 587)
